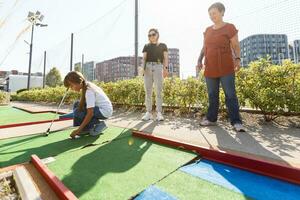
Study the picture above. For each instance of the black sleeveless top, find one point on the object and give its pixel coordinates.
(155, 53)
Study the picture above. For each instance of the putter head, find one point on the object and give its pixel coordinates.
(47, 132)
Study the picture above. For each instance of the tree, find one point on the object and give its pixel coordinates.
(77, 67)
(53, 78)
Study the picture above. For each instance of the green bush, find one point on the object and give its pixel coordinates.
(4, 97)
(130, 92)
(49, 95)
(272, 89)
(171, 91)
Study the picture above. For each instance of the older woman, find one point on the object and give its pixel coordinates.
(155, 57)
(221, 50)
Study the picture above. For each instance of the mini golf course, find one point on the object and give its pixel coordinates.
(10, 115)
(120, 165)
(112, 166)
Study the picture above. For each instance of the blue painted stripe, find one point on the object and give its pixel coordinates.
(250, 184)
(154, 192)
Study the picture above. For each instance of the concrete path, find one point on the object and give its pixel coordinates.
(34, 107)
(34, 129)
(265, 140)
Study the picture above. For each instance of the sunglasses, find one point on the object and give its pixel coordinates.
(152, 35)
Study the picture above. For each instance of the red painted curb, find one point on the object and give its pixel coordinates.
(278, 171)
(32, 123)
(59, 188)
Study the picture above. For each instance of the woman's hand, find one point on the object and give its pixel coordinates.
(237, 65)
(199, 66)
(165, 73)
(74, 133)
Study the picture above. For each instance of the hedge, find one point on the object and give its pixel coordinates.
(271, 88)
(4, 97)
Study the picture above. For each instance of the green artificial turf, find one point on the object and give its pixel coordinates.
(186, 187)
(112, 169)
(117, 170)
(9, 115)
(4, 107)
(18, 150)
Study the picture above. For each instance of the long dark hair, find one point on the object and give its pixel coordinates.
(77, 78)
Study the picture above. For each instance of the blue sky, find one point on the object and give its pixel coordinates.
(180, 23)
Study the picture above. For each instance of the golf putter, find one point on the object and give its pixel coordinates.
(61, 102)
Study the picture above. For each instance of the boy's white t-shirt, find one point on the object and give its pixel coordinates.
(95, 96)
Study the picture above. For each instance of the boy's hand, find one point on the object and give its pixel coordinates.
(74, 133)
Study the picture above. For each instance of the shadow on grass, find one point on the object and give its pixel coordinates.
(118, 156)
(16, 141)
(41, 146)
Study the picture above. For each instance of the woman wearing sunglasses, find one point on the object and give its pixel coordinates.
(155, 57)
(222, 59)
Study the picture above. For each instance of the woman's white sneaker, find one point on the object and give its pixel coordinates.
(239, 127)
(147, 116)
(206, 122)
(159, 117)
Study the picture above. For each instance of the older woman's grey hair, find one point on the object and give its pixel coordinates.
(219, 6)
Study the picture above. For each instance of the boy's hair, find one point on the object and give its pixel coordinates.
(77, 78)
(219, 6)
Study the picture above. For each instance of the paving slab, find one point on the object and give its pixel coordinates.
(37, 107)
(34, 129)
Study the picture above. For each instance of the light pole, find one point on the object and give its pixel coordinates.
(34, 19)
(136, 43)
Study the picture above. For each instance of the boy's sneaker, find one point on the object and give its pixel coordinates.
(98, 128)
(206, 122)
(159, 117)
(239, 127)
(147, 116)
